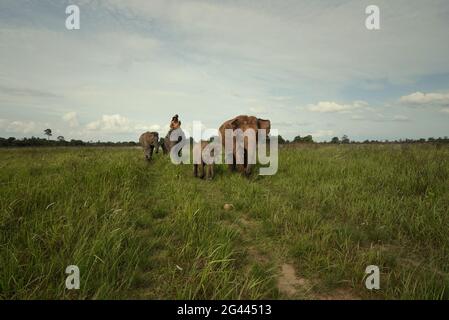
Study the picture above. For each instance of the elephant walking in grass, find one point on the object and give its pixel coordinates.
(243, 123)
(149, 141)
(207, 169)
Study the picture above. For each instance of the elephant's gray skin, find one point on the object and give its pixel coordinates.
(149, 141)
(207, 169)
(244, 123)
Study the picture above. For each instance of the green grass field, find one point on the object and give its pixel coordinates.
(152, 231)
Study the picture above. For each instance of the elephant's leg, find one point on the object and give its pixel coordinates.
(195, 170)
(146, 153)
(207, 168)
(211, 171)
(151, 152)
(247, 164)
(248, 170)
(164, 146)
(241, 166)
(157, 148)
(230, 160)
(203, 170)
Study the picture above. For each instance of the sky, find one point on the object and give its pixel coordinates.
(311, 67)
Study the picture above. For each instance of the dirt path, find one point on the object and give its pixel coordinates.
(288, 281)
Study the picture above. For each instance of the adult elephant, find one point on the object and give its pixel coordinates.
(149, 141)
(244, 123)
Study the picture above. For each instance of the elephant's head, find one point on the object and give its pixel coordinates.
(149, 141)
(153, 139)
(248, 122)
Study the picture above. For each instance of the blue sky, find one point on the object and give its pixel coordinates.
(310, 66)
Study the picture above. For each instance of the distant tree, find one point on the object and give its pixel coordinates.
(48, 133)
(281, 140)
(74, 142)
(335, 140)
(61, 139)
(345, 139)
(212, 138)
(308, 139)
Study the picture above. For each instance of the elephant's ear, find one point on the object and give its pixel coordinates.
(264, 124)
(235, 123)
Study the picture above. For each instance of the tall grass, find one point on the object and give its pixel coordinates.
(152, 231)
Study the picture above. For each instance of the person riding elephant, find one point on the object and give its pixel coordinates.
(175, 123)
(149, 141)
(244, 123)
(175, 128)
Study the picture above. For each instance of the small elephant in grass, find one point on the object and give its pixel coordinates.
(167, 144)
(207, 169)
(149, 141)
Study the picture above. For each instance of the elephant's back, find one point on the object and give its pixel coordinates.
(147, 138)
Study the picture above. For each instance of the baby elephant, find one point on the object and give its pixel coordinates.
(207, 169)
(149, 141)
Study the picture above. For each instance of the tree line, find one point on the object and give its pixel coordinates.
(345, 140)
(61, 141)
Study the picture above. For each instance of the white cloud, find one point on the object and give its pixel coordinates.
(379, 117)
(142, 127)
(400, 118)
(155, 127)
(21, 127)
(290, 123)
(358, 117)
(258, 110)
(301, 36)
(321, 133)
(420, 98)
(330, 106)
(116, 123)
(72, 119)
